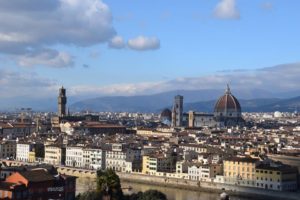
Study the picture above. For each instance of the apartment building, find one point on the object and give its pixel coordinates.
(8, 149)
(276, 176)
(55, 155)
(240, 171)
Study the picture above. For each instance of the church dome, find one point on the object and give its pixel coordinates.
(166, 113)
(227, 103)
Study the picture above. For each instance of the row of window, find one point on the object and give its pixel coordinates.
(266, 172)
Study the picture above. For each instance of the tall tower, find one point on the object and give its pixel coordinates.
(62, 101)
(177, 111)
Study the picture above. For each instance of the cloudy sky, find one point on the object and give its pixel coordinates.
(128, 47)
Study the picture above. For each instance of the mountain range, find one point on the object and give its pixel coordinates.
(200, 100)
(256, 100)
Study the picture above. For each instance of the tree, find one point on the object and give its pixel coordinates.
(148, 195)
(109, 182)
(153, 195)
(88, 196)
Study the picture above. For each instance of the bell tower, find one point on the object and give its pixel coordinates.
(62, 101)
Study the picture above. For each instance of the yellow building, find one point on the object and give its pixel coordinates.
(146, 165)
(31, 156)
(158, 163)
(55, 155)
(274, 176)
(240, 171)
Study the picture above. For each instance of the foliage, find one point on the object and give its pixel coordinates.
(148, 195)
(88, 196)
(109, 182)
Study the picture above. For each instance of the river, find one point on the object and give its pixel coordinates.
(85, 184)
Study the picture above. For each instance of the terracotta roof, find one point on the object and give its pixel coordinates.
(166, 113)
(37, 176)
(227, 102)
(243, 159)
(4, 125)
(282, 168)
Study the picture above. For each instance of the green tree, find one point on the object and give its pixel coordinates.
(148, 195)
(153, 195)
(109, 182)
(89, 196)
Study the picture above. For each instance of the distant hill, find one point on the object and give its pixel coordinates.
(285, 105)
(200, 100)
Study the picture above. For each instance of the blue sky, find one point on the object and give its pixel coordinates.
(171, 40)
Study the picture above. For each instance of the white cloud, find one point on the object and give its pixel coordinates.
(43, 24)
(226, 9)
(262, 79)
(117, 42)
(46, 57)
(142, 43)
(281, 78)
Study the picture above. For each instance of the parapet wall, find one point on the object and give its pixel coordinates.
(187, 184)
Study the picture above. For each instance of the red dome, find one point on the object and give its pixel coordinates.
(166, 113)
(227, 103)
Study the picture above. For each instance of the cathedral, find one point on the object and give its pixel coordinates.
(228, 110)
(227, 113)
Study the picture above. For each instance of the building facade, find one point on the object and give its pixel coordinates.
(200, 172)
(74, 156)
(240, 171)
(121, 156)
(55, 155)
(278, 177)
(8, 149)
(22, 153)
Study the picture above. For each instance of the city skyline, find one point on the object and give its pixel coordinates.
(119, 49)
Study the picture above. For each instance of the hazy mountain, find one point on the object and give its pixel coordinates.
(200, 100)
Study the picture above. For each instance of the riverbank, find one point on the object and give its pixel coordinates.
(233, 190)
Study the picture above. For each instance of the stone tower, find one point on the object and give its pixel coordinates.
(177, 112)
(62, 101)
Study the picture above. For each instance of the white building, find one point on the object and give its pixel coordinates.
(120, 154)
(22, 153)
(200, 172)
(74, 156)
(97, 159)
(67, 128)
(85, 157)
